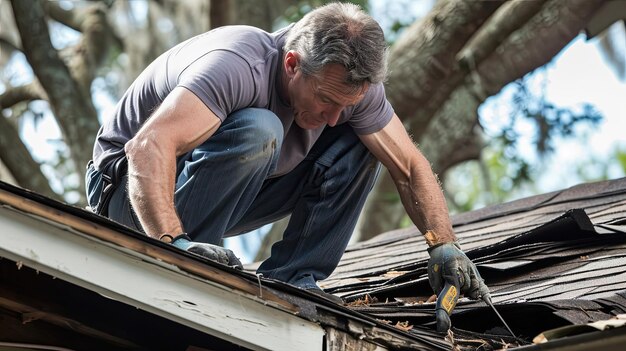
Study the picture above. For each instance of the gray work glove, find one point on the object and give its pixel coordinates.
(449, 266)
(212, 252)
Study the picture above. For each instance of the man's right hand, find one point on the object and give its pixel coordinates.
(212, 252)
(450, 274)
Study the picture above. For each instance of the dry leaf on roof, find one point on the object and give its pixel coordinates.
(393, 274)
(404, 326)
(366, 301)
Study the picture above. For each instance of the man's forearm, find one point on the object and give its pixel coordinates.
(151, 177)
(419, 190)
(425, 203)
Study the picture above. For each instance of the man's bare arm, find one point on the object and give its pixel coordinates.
(181, 123)
(419, 189)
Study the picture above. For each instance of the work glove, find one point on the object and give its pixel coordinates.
(451, 273)
(212, 252)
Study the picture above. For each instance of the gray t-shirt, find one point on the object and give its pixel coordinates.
(228, 68)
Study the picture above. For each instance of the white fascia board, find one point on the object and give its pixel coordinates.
(156, 287)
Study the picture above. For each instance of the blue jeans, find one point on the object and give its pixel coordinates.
(223, 189)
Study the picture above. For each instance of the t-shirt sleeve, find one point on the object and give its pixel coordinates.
(372, 113)
(223, 80)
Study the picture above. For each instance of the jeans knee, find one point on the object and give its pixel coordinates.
(259, 125)
(261, 131)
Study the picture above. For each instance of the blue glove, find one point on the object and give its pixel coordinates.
(450, 271)
(212, 252)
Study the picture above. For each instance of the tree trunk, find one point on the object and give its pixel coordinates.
(260, 14)
(221, 13)
(97, 41)
(190, 17)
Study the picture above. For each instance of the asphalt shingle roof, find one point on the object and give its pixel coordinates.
(550, 260)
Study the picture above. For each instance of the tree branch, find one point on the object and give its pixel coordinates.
(71, 18)
(536, 43)
(423, 58)
(532, 46)
(20, 163)
(508, 18)
(7, 47)
(92, 51)
(14, 95)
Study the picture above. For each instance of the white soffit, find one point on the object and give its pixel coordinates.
(151, 285)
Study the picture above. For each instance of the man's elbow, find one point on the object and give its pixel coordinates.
(143, 147)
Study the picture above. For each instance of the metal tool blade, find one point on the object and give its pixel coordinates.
(488, 301)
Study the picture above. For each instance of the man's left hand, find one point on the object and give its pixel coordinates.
(212, 252)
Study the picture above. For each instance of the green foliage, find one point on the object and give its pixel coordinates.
(620, 156)
(397, 26)
(463, 187)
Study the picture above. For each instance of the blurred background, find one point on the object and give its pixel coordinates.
(507, 99)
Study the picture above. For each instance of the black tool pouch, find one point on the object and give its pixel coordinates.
(111, 178)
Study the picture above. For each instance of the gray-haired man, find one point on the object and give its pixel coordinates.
(236, 128)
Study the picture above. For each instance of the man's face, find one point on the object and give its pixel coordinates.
(318, 100)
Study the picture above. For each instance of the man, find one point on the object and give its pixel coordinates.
(236, 128)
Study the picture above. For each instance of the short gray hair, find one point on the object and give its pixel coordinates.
(342, 34)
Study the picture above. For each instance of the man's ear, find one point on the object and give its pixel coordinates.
(291, 63)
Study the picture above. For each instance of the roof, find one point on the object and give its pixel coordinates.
(550, 260)
(73, 279)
